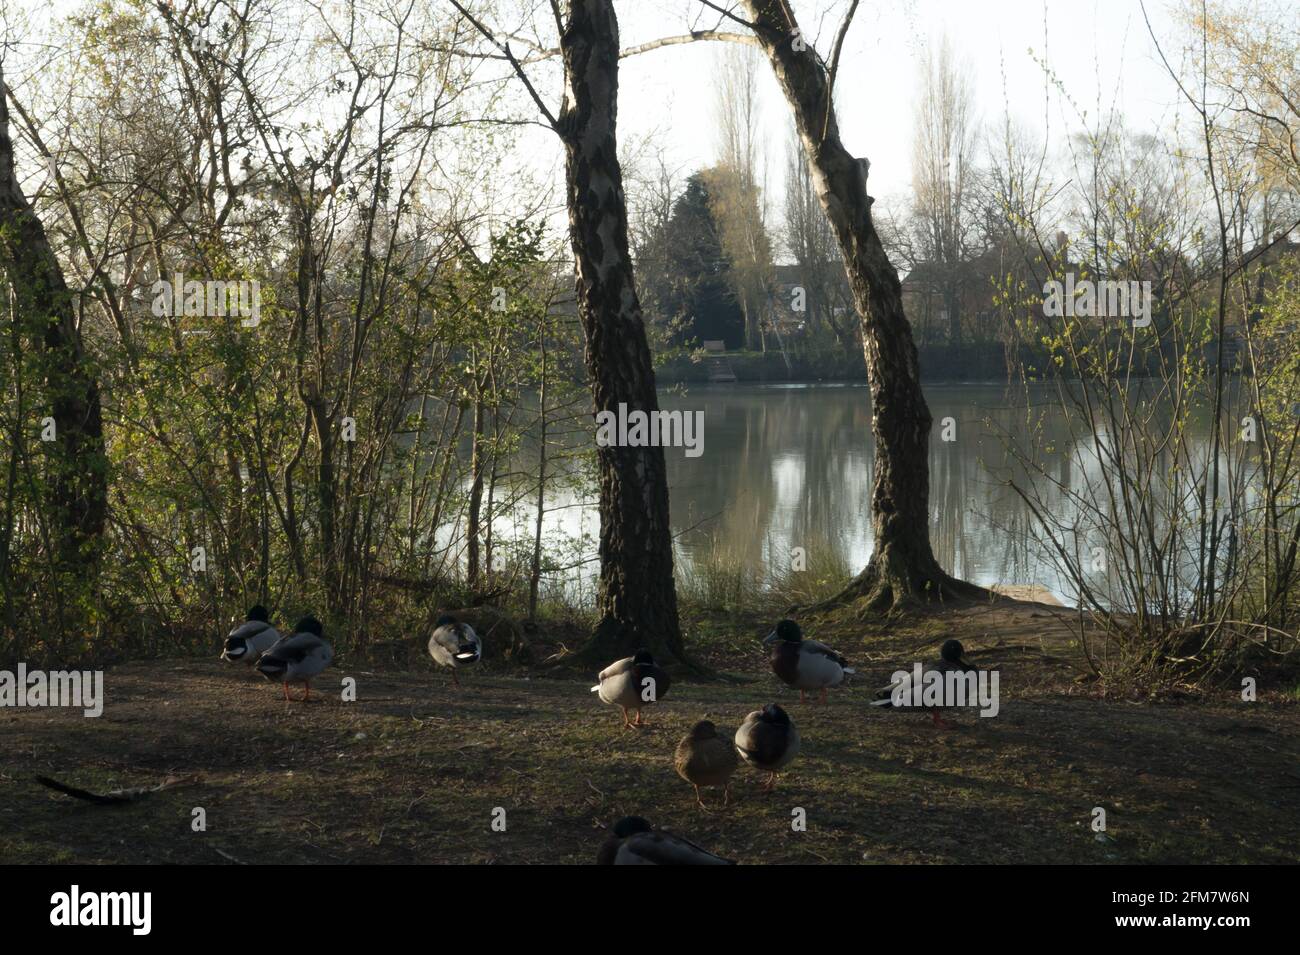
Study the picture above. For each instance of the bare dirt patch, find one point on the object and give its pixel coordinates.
(413, 770)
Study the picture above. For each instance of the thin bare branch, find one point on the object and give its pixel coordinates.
(835, 64)
(518, 68)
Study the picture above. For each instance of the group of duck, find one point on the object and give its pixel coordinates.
(299, 656)
(290, 658)
(767, 739)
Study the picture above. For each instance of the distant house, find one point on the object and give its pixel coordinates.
(1265, 259)
(953, 305)
(787, 321)
(1267, 262)
(792, 286)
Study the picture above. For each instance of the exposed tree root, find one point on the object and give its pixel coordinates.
(891, 586)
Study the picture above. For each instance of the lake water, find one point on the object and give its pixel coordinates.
(789, 465)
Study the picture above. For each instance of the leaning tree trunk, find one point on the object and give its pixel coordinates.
(902, 568)
(78, 489)
(638, 599)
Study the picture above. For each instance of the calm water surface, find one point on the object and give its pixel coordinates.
(789, 465)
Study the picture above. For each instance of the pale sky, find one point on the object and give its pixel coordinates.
(1099, 50)
(1095, 47)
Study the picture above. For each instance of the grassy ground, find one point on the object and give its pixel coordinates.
(412, 771)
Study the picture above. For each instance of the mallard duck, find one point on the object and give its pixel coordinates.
(454, 645)
(632, 683)
(804, 664)
(704, 758)
(768, 740)
(250, 639)
(950, 661)
(297, 657)
(633, 842)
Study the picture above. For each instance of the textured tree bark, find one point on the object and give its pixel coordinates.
(327, 496)
(78, 491)
(638, 599)
(902, 568)
(472, 528)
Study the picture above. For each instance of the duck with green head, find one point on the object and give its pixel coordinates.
(804, 664)
(632, 683)
(632, 841)
(248, 641)
(454, 645)
(768, 741)
(298, 657)
(904, 690)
